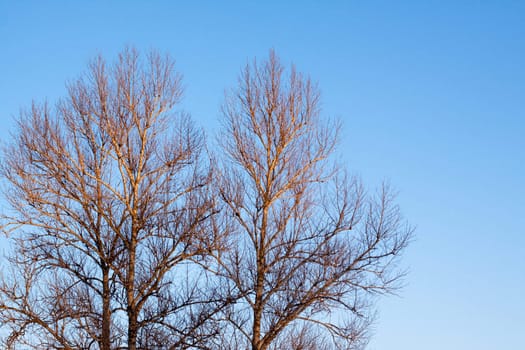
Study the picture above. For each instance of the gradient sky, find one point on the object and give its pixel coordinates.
(431, 94)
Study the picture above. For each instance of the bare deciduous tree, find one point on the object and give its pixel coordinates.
(112, 219)
(308, 247)
(108, 203)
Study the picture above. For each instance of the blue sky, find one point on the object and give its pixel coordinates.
(431, 94)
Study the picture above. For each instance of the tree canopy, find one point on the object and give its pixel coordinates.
(127, 233)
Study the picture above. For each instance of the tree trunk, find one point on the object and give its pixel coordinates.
(131, 310)
(257, 314)
(132, 330)
(259, 284)
(105, 341)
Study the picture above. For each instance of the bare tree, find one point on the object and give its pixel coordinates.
(109, 203)
(308, 247)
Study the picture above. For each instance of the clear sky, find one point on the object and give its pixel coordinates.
(432, 96)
